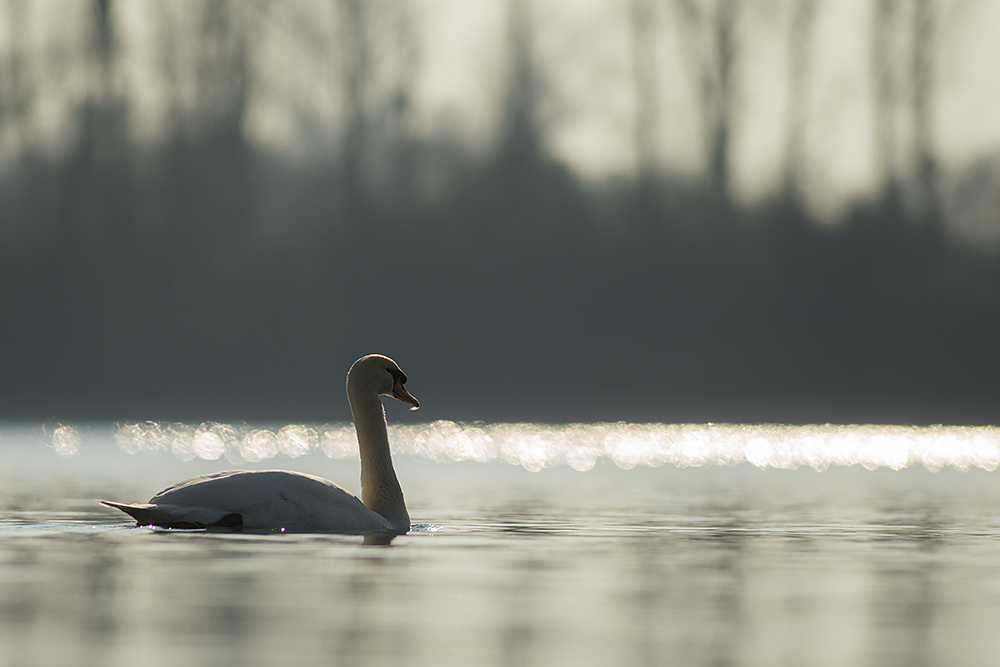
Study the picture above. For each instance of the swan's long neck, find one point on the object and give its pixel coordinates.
(380, 490)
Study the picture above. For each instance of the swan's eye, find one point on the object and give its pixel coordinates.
(397, 375)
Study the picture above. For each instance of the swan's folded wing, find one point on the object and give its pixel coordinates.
(177, 516)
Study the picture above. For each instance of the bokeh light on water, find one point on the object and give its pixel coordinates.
(66, 441)
(581, 446)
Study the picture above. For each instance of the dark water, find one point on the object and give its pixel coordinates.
(711, 565)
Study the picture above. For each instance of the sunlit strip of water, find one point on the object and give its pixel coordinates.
(580, 446)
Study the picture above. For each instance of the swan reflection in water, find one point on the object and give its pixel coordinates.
(282, 501)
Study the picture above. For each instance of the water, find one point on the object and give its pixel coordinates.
(627, 545)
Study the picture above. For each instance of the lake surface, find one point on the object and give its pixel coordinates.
(574, 545)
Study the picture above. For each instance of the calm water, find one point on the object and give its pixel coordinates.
(578, 545)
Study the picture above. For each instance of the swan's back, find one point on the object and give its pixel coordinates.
(264, 500)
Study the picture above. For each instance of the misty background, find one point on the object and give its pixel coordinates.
(560, 210)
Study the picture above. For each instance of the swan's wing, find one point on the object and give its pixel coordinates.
(177, 516)
(264, 500)
(302, 503)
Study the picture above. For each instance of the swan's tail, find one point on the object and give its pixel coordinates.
(177, 516)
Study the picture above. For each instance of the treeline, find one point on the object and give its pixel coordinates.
(205, 278)
(518, 294)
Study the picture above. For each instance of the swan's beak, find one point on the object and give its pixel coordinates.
(399, 392)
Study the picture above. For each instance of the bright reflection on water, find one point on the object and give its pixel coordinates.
(580, 446)
(745, 546)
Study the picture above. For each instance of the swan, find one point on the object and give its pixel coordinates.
(282, 501)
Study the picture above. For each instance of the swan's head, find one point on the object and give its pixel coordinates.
(381, 375)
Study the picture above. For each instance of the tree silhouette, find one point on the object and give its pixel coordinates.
(202, 276)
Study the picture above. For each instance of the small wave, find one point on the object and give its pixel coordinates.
(581, 446)
(425, 528)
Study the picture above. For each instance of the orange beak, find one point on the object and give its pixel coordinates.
(399, 392)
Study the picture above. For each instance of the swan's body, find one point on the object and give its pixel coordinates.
(259, 501)
(277, 500)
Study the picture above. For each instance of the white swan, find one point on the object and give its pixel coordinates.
(277, 500)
